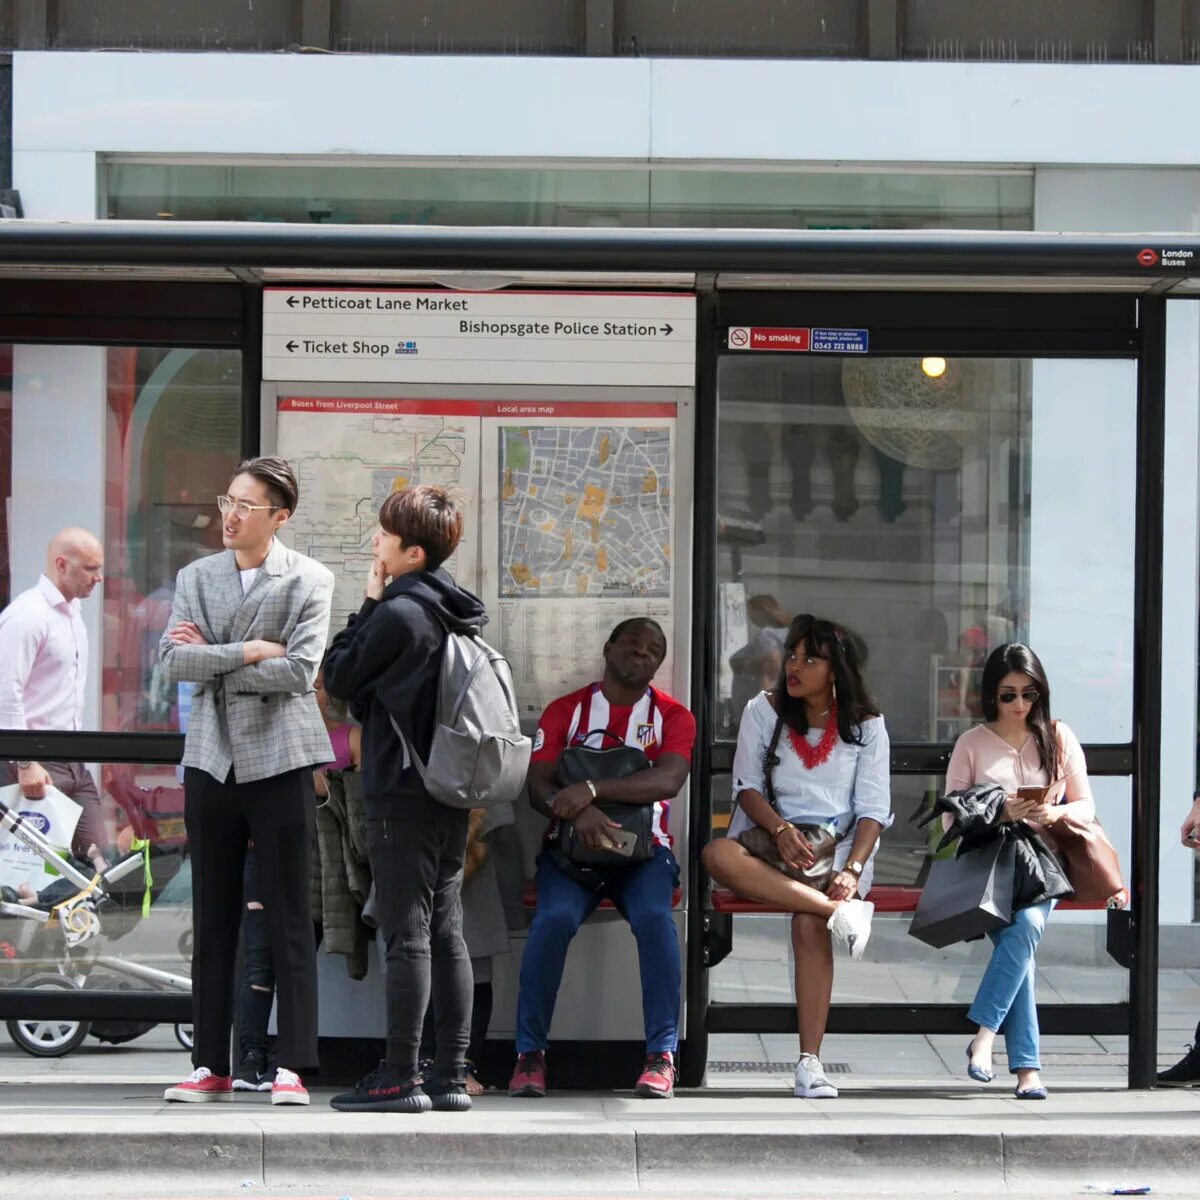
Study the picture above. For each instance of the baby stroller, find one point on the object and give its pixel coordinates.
(60, 946)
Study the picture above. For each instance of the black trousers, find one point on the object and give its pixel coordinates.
(417, 864)
(280, 815)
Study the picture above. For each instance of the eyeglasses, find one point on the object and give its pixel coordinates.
(1029, 695)
(227, 505)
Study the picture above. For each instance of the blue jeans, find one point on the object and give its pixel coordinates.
(1005, 998)
(643, 897)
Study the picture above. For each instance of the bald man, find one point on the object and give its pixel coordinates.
(43, 673)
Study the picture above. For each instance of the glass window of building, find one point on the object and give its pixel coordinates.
(633, 195)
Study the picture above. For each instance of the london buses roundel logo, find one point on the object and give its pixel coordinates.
(1148, 257)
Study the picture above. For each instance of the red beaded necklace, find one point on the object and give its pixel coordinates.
(814, 756)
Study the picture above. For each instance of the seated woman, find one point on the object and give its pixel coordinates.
(830, 768)
(1017, 746)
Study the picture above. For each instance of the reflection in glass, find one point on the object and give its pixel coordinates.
(937, 515)
(622, 194)
(132, 928)
(174, 428)
(133, 444)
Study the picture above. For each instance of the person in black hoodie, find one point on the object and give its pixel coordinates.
(386, 663)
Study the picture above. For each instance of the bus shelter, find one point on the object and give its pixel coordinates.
(945, 440)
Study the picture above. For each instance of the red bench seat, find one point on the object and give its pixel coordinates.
(887, 898)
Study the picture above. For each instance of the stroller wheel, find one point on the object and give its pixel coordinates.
(48, 1038)
(183, 1035)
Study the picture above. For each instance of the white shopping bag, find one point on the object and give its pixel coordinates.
(54, 817)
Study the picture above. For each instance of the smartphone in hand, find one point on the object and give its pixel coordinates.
(621, 841)
(1033, 795)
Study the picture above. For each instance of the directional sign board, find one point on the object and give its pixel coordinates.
(400, 336)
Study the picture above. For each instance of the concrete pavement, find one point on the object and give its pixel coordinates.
(908, 1122)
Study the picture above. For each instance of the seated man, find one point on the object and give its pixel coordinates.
(624, 704)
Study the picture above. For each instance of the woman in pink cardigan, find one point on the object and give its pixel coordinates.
(1017, 746)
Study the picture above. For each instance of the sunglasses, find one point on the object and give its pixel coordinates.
(1029, 695)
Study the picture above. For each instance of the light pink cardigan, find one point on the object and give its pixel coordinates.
(981, 756)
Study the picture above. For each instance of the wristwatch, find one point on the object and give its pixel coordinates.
(855, 868)
(22, 765)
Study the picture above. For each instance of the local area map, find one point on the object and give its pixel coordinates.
(585, 511)
(348, 464)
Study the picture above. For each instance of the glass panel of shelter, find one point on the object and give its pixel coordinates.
(936, 507)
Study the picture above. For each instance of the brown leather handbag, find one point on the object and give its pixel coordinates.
(1089, 858)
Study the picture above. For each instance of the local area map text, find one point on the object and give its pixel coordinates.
(585, 511)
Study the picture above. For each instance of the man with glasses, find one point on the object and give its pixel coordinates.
(248, 629)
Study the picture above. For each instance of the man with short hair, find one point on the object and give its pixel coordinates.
(248, 629)
(387, 664)
(43, 674)
(622, 707)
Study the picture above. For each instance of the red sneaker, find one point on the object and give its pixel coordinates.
(657, 1080)
(287, 1088)
(529, 1075)
(201, 1087)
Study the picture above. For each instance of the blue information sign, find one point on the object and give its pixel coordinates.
(839, 341)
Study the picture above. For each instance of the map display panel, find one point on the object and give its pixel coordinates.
(350, 454)
(585, 511)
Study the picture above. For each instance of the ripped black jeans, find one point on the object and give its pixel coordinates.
(257, 991)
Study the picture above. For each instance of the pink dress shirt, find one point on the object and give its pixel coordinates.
(981, 756)
(43, 661)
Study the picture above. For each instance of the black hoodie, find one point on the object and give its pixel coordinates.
(386, 664)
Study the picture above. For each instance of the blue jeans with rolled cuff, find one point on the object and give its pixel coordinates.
(1005, 1001)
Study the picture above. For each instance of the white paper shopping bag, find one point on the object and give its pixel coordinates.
(54, 817)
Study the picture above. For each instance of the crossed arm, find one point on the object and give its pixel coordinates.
(254, 665)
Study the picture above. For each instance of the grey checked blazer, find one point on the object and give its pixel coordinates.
(261, 719)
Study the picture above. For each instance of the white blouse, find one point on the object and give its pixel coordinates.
(853, 782)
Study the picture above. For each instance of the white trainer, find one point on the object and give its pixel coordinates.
(811, 1083)
(851, 921)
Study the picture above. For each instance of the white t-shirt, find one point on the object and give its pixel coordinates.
(248, 577)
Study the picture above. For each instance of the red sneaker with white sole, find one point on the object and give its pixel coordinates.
(657, 1080)
(529, 1075)
(201, 1087)
(287, 1088)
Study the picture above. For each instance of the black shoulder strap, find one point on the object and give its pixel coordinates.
(772, 761)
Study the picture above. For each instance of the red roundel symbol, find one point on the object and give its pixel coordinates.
(1148, 257)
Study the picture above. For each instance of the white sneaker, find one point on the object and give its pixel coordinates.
(811, 1083)
(851, 921)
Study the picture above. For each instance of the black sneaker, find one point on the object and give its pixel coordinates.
(251, 1075)
(381, 1091)
(1185, 1073)
(448, 1095)
(425, 1070)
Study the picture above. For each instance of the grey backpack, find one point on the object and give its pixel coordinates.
(479, 756)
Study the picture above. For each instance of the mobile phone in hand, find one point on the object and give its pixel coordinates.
(622, 842)
(1033, 795)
